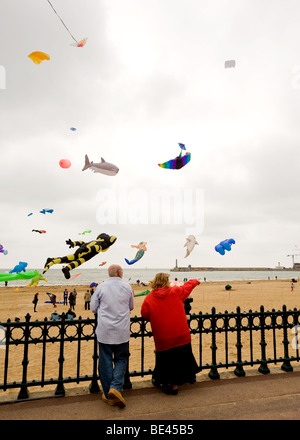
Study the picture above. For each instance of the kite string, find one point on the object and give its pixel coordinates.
(61, 20)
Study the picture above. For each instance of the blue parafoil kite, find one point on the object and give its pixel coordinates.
(224, 245)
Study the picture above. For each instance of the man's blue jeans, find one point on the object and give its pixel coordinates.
(113, 360)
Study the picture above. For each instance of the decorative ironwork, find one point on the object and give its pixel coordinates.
(245, 339)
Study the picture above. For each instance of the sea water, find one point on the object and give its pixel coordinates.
(81, 277)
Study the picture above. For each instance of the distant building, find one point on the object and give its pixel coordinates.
(296, 266)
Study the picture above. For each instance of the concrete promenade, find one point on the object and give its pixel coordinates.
(254, 397)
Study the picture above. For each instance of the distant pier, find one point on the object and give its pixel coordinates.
(189, 268)
(233, 269)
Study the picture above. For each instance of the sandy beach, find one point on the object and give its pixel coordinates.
(17, 302)
(272, 294)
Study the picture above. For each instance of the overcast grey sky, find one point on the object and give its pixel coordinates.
(152, 75)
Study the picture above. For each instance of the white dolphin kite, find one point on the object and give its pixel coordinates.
(190, 244)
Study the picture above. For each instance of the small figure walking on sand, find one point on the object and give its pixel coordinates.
(292, 287)
(66, 297)
(35, 301)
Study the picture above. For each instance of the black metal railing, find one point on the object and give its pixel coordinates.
(238, 340)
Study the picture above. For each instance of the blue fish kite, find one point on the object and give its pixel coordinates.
(141, 250)
(43, 211)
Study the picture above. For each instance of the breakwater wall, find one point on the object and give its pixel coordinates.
(232, 269)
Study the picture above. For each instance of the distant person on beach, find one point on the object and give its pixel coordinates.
(164, 308)
(74, 295)
(292, 287)
(87, 300)
(112, 301)
(72, 301)
(65, 297)
(53, 299)
(35, 301)
(70, 314)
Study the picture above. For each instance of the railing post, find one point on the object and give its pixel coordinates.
(239, 371)
(23, 394)
(286, 366)
(94, 385)
(127, 384)
(213, 374)
(60, 389)
(7, 339)
(264, 369)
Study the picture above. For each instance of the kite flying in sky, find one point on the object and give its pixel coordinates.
(78, 43)
(65, 163)
(102, 167)
(18, 276)
(229, 63)
(85, 252)
(190, 244)
(141, 250)
(21, 267)
(41, 231)
(38, 57)
(224, 245)
(36, 279)
(4, 252)
(43, 211)
(177, 163)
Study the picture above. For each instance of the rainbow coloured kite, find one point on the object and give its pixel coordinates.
(177, 163)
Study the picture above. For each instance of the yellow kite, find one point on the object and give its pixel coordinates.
(38, 57)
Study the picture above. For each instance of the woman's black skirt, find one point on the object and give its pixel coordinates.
(175, 366)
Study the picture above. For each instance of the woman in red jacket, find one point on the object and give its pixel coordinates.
(164, 308)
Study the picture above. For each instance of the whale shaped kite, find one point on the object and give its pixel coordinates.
(102, 167)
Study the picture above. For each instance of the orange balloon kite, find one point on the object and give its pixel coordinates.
(38, 57)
